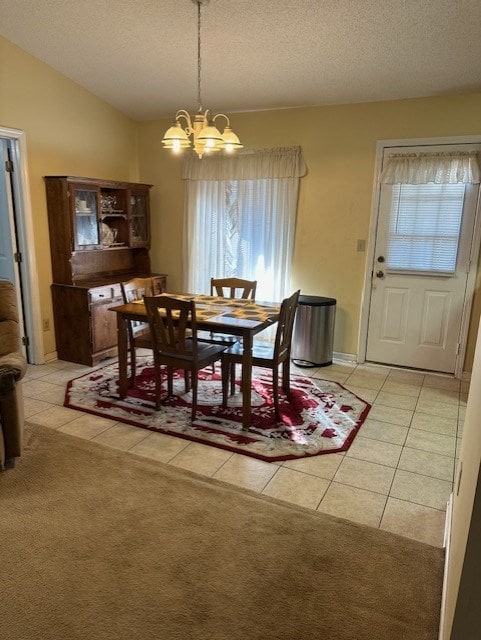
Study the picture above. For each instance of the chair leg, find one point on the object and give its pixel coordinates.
(232, 378)
(186, 380)
(133, 365)
(194, 395)
(286, 376)
(158, 386)
(225, 367)
(170, 383)
(275, 391)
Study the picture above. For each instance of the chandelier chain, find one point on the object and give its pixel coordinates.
(201, 133)
(199, 96)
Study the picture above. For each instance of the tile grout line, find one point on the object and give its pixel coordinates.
(396, 469)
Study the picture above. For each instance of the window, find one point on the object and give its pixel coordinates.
(240, 220)
(424, 227)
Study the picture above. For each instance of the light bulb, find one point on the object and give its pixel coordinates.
(176, 148)
(209, 143)
(229, 148)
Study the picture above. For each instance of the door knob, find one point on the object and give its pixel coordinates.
(379, 274)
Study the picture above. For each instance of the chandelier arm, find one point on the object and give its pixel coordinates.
(218, 115)
(182, 113)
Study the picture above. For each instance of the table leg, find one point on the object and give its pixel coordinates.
(246, 379)
(122, 344)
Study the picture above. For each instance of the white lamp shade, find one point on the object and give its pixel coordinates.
(231, 141)
(210, 137)
(176, 137)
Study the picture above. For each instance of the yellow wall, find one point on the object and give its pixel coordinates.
(339, 146)
(69, 132)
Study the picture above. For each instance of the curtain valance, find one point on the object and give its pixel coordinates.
(437, 168)
(281, 162)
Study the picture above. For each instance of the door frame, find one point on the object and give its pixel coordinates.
(25, 241)
(381, 146)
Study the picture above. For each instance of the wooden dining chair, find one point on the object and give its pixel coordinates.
(139, 332)
(266, 355)
(234, 288)
(175, 345)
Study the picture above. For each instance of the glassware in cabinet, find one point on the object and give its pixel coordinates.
(139, 218)
(86, 222)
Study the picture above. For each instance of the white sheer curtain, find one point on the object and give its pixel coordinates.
(436, 168)
(240, 219)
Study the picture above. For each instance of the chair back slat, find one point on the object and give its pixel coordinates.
(285, 325)
(137, 288)
(233, 288)
(173, 326)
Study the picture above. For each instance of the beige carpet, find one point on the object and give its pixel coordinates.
(101, 545)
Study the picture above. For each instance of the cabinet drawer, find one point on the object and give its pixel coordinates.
(117, 291)
(100, 294)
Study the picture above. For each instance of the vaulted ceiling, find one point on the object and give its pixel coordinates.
(141, 55)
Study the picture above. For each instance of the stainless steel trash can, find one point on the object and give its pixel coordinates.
(313, 331)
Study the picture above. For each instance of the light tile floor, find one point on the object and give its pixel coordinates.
(397, 475)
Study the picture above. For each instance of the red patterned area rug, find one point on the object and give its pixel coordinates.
(321, 416)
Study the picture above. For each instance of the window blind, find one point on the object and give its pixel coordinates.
(424, 227)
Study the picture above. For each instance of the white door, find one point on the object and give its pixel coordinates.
(420, 272)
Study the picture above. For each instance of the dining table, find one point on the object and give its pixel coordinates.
(237, 317)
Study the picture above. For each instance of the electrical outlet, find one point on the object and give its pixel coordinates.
(46, 324)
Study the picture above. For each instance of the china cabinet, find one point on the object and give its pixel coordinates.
(99, 237)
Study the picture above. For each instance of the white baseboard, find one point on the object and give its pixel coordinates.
(51, 357)
(347, 357)
(352, 357)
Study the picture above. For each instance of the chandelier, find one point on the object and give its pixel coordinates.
(201, 132)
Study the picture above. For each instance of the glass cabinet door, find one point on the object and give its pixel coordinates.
(86, 225)
(139, 219)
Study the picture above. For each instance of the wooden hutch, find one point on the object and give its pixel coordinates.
(99, 236)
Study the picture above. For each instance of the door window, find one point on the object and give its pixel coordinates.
(424, 228)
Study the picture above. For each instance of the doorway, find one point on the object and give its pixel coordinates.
(9, 253)
(422, 263)
(17, 251)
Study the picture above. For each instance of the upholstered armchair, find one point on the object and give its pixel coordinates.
(12, 369)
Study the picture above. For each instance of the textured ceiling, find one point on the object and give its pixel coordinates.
(141, 55)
